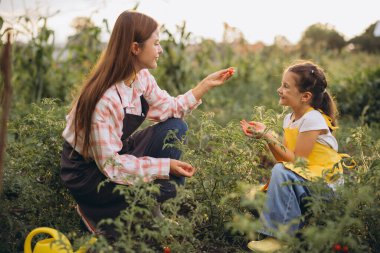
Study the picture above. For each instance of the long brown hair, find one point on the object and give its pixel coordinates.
(115, 65)
(312, 78)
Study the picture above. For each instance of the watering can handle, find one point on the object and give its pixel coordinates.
(28, 241)
(84, 248)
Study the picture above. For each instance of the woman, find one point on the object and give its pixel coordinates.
(100, 139)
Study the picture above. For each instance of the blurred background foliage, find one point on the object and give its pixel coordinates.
(213, 215)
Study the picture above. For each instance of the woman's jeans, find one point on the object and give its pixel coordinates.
(285, 200)
(151, 141)
(156, 149)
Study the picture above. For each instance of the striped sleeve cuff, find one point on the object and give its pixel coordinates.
(193, 103)
(164, 168)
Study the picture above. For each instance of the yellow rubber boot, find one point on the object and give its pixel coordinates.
(266, 245)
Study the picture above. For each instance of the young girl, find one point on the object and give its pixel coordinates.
(100, 138)
(307, 134)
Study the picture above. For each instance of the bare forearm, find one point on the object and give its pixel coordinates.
(279, 151)
(200, 90)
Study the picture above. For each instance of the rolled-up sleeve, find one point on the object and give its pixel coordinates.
(163, 106)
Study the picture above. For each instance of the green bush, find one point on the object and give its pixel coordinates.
(33, 193)
(358, 97)
(141, 232)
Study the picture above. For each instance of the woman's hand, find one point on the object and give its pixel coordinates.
(179, 168)
(253, 128)
(218, 78)
(211, 81)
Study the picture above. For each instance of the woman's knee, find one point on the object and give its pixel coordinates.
(160, 138)
(175, 124)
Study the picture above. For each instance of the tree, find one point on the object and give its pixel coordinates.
(282, 43)
(87, 36)
(321, 37)
(367, 41)
(232, 35)
(81, 53)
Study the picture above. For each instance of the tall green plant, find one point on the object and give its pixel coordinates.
(33, 63)
(174, 70)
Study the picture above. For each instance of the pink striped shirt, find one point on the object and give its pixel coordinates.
(107, 124)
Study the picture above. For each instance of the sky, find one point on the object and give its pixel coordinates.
(258, 20)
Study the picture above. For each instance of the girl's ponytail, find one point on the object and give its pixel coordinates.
(328, 107)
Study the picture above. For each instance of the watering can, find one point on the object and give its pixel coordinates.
(57, 244)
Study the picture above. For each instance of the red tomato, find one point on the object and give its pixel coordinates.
(345, 249)
(258, 126)
(337, 247)
(167, 250)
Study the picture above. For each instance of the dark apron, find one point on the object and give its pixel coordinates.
(82, 177)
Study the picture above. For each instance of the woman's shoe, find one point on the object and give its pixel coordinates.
(266, 245)
(156, 212)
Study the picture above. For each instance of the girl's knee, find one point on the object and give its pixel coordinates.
(278, 172)
(278, 167)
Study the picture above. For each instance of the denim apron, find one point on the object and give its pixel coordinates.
(82, 177)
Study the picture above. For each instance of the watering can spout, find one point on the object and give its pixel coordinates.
(57, 244)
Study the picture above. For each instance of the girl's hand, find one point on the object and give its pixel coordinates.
(218, 78)
(179, 168)
(253, 128)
